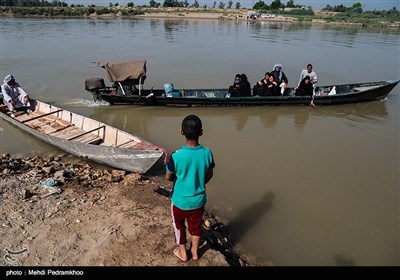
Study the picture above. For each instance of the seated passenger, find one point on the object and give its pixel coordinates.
(309, 72)
(305, 87)
(260, 86)
(280, 77)
(235, 88)
(245, 86)
(170, 91)
(241, 87)
(124, 88)
(14, 96)
(270, 88)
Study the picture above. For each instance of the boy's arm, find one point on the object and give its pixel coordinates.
(169, 176)
(209, 175)
(170, 169)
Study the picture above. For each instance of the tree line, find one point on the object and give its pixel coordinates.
(260, 5)
(54, 8)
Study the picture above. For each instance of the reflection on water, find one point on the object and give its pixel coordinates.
(368, 110)
(301, 118)
(240, 118)
(268, 115)
(269, 120)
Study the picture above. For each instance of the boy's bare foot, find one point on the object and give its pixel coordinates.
(195, 256)
(177, 253)
(194, 247)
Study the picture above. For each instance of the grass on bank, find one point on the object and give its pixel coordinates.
(369, 18)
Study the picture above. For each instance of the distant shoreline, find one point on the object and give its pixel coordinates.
(228, 14)
(233, 16)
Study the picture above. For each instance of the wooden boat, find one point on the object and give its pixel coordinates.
(136, 71)
(345, 93)
(86, 138)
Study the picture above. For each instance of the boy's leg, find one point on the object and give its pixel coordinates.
(195, 221)
(195, 247)
(178, 224)
(180, 252)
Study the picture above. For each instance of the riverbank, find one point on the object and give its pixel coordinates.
(228, 15)
(71, 214)
(235, 14)
(383, 20)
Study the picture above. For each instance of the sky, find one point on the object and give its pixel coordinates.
(367, 5)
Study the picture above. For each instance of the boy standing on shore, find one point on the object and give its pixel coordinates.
(190, 168)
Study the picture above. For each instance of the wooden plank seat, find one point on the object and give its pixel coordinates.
(25, 117)
(42, 115)
(51, 127)
(48, 124)
(66, 133)
(76, 134)
(17, 113)
(89, 139)
(129, 144)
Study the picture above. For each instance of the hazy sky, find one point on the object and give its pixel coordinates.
(315, 4)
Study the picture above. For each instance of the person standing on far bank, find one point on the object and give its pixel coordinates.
(190, 168)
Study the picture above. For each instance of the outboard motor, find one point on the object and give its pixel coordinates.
(95, 86)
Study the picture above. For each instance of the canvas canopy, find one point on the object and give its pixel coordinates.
(118, 71)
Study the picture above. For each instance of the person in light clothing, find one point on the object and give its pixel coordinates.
(14, 96)
(308, 72)
(280, 77)
(313, 79)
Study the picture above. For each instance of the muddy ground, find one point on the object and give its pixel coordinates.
(56, 213)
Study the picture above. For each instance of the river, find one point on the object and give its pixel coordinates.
(303, 186)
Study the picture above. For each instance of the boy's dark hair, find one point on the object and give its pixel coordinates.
(191, 126)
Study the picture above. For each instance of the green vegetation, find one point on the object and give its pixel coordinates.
(365, 18)
(339, 14)
(66, 11)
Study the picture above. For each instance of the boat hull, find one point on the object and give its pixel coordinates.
(348, 93)
(135, 159)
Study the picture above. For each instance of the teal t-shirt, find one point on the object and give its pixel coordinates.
(190, 166)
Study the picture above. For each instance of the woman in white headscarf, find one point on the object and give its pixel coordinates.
(14, 96)
(280, 77)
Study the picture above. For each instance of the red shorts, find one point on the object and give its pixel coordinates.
(194, 219)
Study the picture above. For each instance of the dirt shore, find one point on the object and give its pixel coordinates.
(232, 14)
(194, 15)
(228, 14)
(58, 213)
